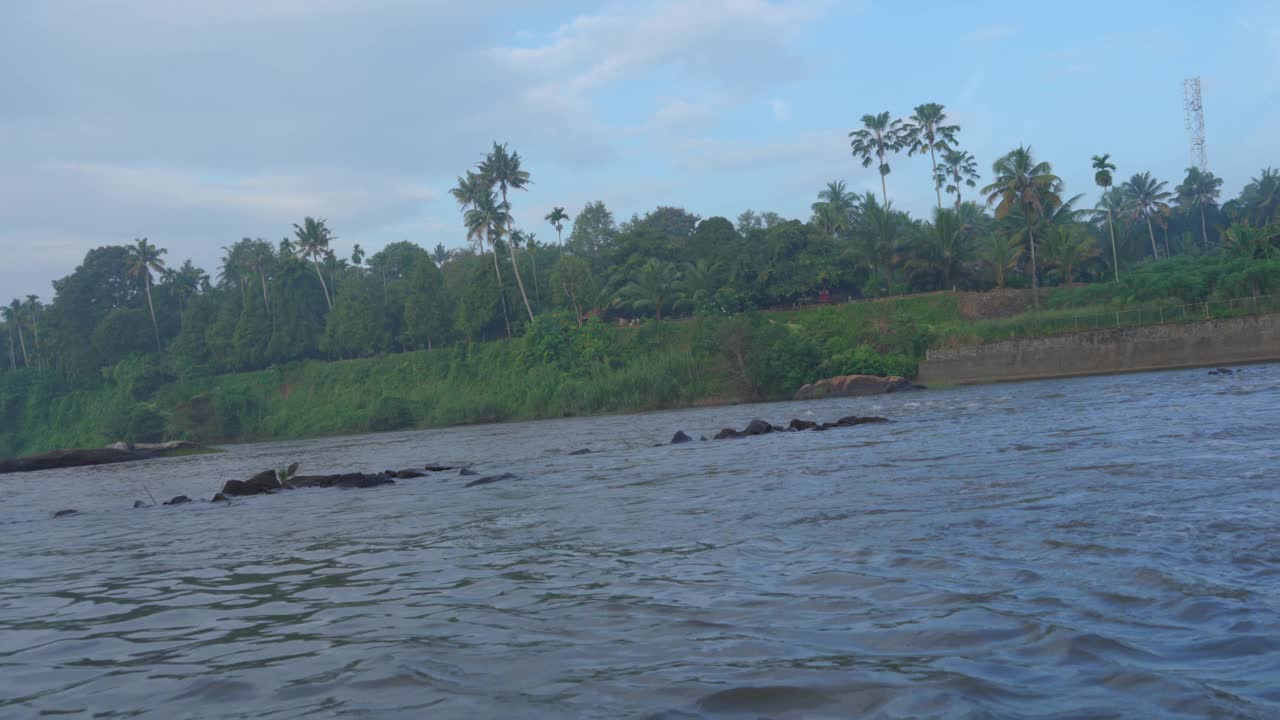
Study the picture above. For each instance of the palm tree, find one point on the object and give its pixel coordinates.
(313, 242)
(1246, 240)
(13, 317)
(261, 257)
(32, 306)
(940, 249)
(440, 255)
(471, 192)
(958, 168)
(1002, 255)
(927, 132)
(655, 286)
(530, 242)
(1103, 168)
(10, 322)
(557, 218)
(1066, 247)
(876, 234)
(700, 280)
(1027, 187)
(502, 168)
(878, 137)
(1148, 197)
(832, 210)
(1199, 189)
(144, 258)
(1259, 201)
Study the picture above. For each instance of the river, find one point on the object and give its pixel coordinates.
(1100, 547)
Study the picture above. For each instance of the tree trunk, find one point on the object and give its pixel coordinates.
(884, 191)
(1164, 229)
(502, 294)
(537, 293)
(26, 360)
(511, 249)
(1035, 281)
(1204, 232)
(13, 356)
(936, 188)
(1155, 251)
(1115, 258)
(154, 326)
(323, 285)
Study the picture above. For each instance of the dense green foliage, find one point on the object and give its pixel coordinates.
(512, 327)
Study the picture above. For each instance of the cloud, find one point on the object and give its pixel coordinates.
(991, 33)
(781, 110)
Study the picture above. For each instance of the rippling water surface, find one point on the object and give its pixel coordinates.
(1105, 547)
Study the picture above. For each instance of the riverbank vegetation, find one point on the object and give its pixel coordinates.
(286, 338)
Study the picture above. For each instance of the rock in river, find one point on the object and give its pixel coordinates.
(680, 438)
(260, 484)
(489, 479)
(66, 513)
(853, 386)
(179, 500)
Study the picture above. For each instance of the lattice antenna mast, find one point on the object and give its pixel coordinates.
(1194, 107)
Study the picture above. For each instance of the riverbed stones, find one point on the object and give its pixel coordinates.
(798, 424)
(406, 474)
(760, 427)
(583, 451)
(439, 468)
(219, 498)
(179, 500)
(66, 513)
(138, 504)
(680, 438)
(345, 480)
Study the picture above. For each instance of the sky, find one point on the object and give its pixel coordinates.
(198, 123)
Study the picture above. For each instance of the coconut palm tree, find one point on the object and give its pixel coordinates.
(144, 258)
(878, 137)
(1103, 168)
(1251, 241)
(877, 234)
(502, 168)
(1200, 189)
(13, 318)
(1066, 247)
(1030, 188)
(471, 192)
(313, 242)
(927, 131)
(557, 217)
(32, 306)
(655, 286)
(440, 255)
(1002, 254)
(262, 258)
(1149, 201)
(834, 206)
(958, 168)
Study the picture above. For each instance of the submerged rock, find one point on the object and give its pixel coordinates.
(138, 504)
(583, 451)
(798, 424)
(179, 500)
(467, 472)
(345, 480)
(490, 479)
(726, 434)
(758, 427)
(66, 513)
(851, 420)
(219, 498)
(439, 468)
(680, 438)
(406, 474)
(853, 386)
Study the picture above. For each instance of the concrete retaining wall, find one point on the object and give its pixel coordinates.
(1154, 347)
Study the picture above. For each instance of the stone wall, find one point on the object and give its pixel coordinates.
(1153, 347)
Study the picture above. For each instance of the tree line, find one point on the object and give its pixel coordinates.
(276, 302)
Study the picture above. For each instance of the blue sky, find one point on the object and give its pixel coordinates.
(196, 124)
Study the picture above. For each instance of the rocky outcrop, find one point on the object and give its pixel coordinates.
(263, 483)
(760, 427)
(853, 386)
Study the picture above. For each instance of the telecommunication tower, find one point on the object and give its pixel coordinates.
(1195, 121)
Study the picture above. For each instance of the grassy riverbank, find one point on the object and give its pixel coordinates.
(558, 369)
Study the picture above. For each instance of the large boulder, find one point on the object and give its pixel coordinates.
(853, 386)
(758, 427)
(260, 484)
